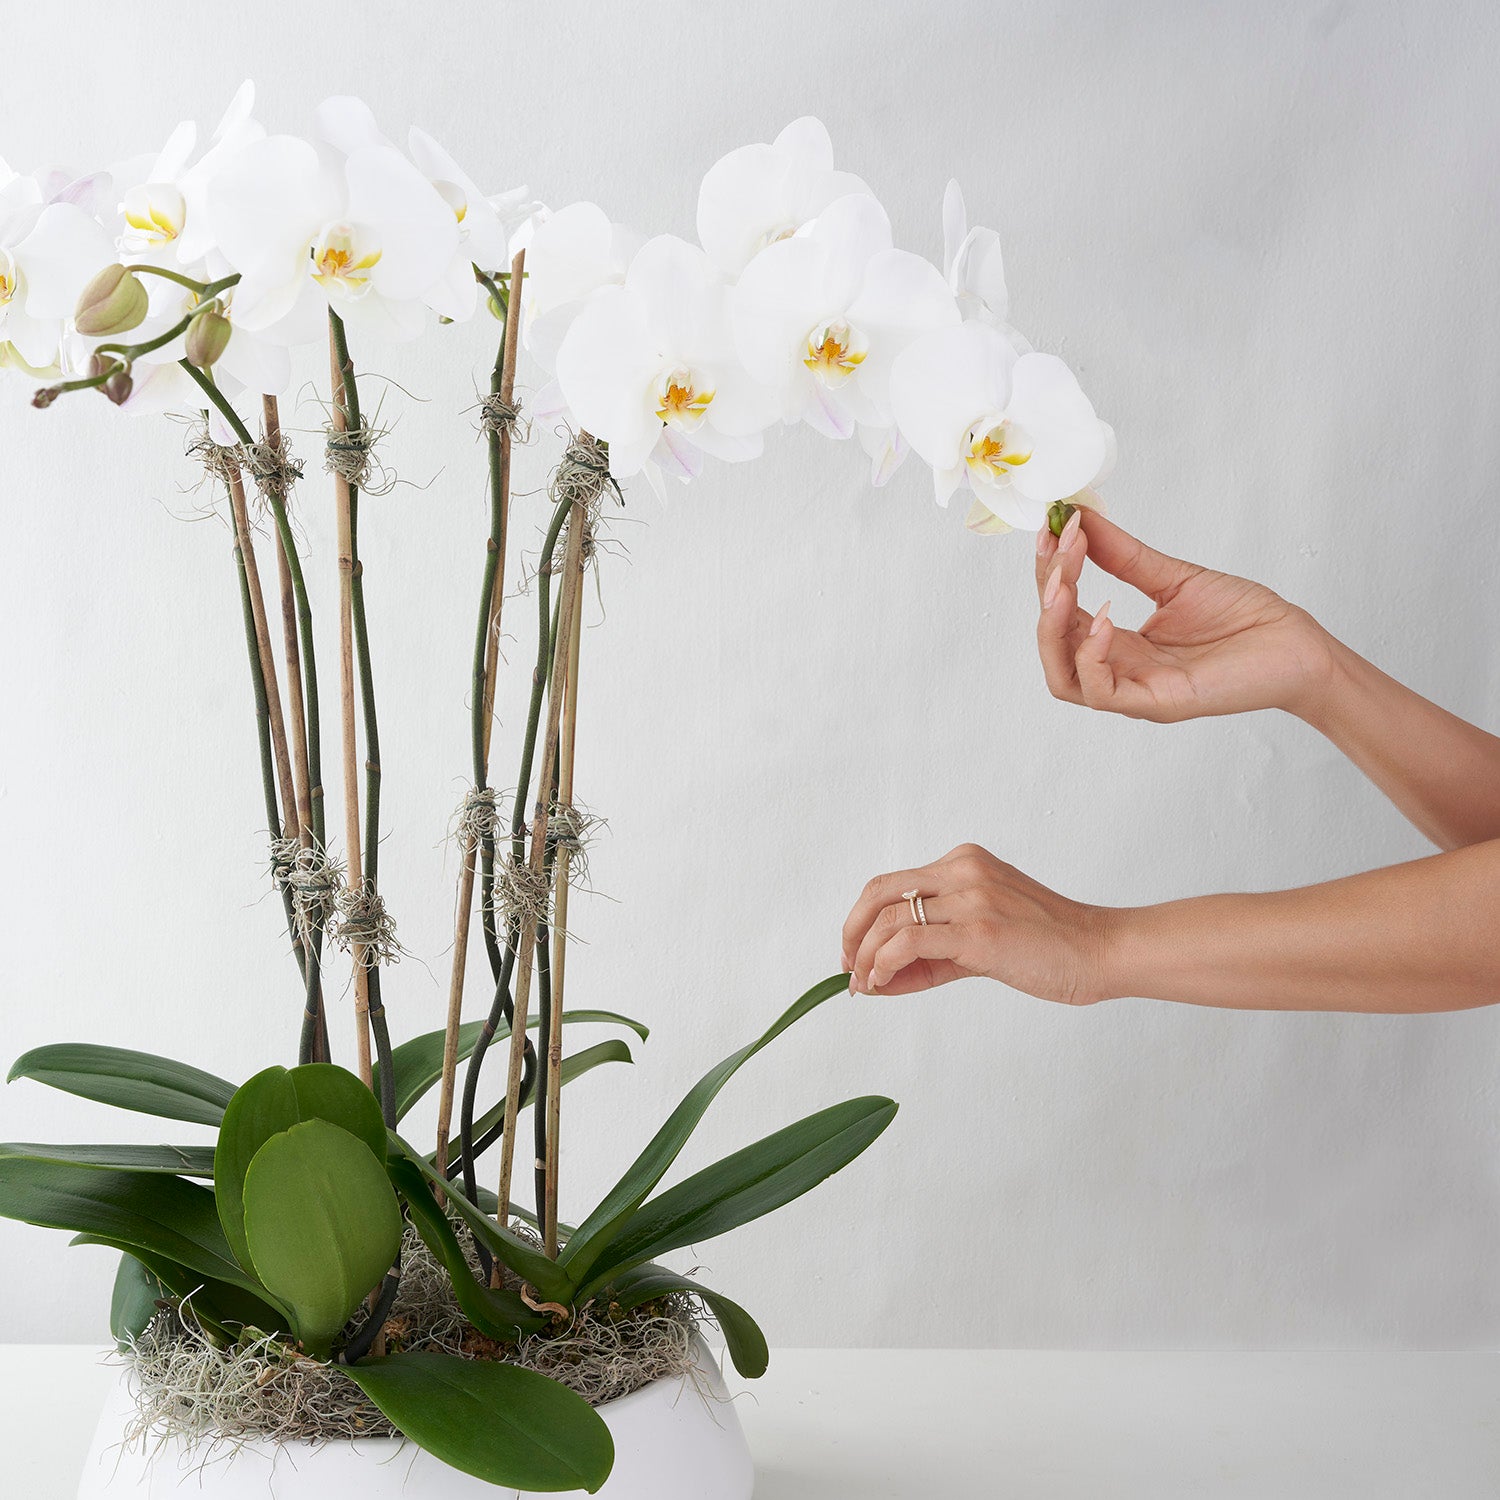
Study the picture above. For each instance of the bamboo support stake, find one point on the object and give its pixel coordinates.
(567, 606)
(344, 502)
(290, 824)
(504, 386)
(271, 421)
(560, 931)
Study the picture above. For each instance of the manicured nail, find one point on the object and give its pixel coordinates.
(1054, 582)
(853, 987)
(1100, 618)
(1041, 540)
(1070, 531)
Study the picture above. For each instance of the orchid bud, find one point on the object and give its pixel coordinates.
(113, 302)
(118, 386)
(1058, 514)
(207, 337)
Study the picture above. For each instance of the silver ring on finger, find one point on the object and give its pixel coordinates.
(913, 899)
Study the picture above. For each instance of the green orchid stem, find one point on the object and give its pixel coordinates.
(379, 1028)
(501, 1009)
(134, 351)
(48, 394)
(204, 289)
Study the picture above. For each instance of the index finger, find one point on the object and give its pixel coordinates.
(882, 891)
(1127, 557)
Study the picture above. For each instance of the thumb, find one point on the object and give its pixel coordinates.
(1131, 560)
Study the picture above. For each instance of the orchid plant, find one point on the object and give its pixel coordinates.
(186, 281)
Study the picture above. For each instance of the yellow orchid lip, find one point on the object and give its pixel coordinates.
(9, 280)
(995, 451)
(339, 266)
(156, 213)
(834, 352)
(681, 402)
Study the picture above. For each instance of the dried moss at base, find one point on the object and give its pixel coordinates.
(189, 1390)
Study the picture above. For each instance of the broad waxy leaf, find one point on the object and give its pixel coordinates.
(322, 1224)
(650, 1166)
(271, 1102)
(501, 1423)
(163, 1215)
(176, 1161)
(742, 1336)
(141, 1081)
(747, 1185)
(499, 1313)
(524, 1258)
(418, 1064)
(133, 1302)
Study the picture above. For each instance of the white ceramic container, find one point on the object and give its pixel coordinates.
(676, 1439)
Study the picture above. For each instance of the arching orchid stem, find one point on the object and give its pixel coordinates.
(47, 394)
(204, 289)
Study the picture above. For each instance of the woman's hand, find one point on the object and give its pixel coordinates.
(983, 917)
(1216, 644)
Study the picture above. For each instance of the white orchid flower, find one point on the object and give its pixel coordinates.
(650, 367)
(821, 317)
(973, 264)
(50, 249)
(1015, 428)
(164, 208)
(570, 254)
(759, 194)
(365, 234)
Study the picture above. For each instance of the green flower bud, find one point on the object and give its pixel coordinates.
(113, 302)
(118, 386)
(1058, 514)
(207, 337)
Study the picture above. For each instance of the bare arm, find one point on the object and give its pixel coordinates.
(1217, 644)
(1410, 938)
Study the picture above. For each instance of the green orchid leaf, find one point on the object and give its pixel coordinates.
(418, 1064)
(574, 1065)
(322, 1224)
(133, 1303)
(216, 1304)
(499, 1313)
(745, 1186)
(651, 1165)
(139, 1081)
(272, 1102)
(742, 1336)
(524, 1258)
(175, 1161)
(503, 1424)
(166, 1216)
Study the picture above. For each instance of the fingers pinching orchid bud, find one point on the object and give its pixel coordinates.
(1059, 513)
(113, 302)
(207, 337)
(116, 383)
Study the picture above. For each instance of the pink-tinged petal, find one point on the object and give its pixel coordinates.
(679, 456)
(88, 193)
(267, 202)
(850, 230)
(549, 402)
(1068, 442)
(825, 412)
(63, 252)
(348, 124)
(414, 228)
(902, 297)
(778, 301)
(955, 225)
(607, 366)
(944, 382)
(887, 451)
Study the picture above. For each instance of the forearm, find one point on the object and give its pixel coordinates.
(1411, 938)
(1442, 772)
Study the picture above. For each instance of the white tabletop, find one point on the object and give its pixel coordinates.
(888, 1424)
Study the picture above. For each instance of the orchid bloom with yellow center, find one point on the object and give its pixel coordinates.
(834, 352)
(1036, 441)
(649, 366)
(155, 216)
(343, 260)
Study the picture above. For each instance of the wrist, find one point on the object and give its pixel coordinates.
(1321, 669)
(1324, 697)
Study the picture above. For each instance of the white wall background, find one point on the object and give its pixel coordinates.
(1266, 235)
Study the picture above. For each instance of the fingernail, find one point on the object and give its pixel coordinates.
(1071, 529)
(1100, 618)
(853, 987)
(1054, 582)
(1041, 540)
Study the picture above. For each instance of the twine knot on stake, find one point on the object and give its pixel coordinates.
(351, 455)
(522, 898)
(365, 927)
(478, 818)
(220, 460)
(582, 474)
(272, 467)
(570, 829)
(496, 414)
(315, 880)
